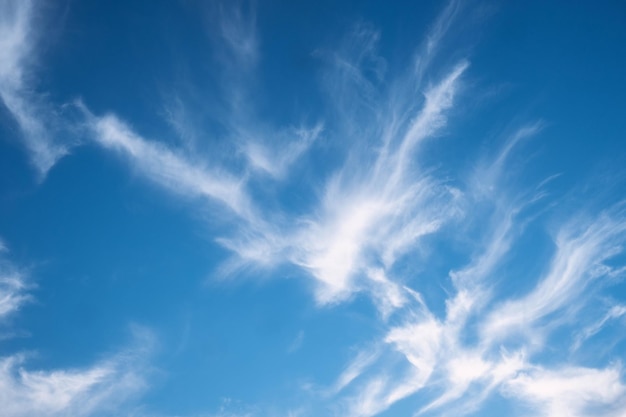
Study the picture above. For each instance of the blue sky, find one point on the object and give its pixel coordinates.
(229, 209)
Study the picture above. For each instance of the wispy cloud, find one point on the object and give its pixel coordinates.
(12, 293)
(615, 312)
(13, 286)
(102, 387)
(276, 154)
(168, 168)
(355, 368)
(384, 211)
(237, 28)
(374, 207)
(571, 391)
(29, 110)
(580, 252)
(378, 211)
(487, 342)
(431, 46)
(85, 391)
(375, 203)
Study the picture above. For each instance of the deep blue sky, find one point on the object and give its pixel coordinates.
(228, 209)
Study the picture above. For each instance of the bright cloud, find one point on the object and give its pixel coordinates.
(32, 114)
(454, 260)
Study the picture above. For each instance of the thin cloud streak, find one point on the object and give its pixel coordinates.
(254, 239)
(103, 387)
(361, 362)
(13, 286)
(167, 168)
(276, 158)
(12, 294)
(432, 44)
(30, 112)
(237, 28)
(579, 253)
(614, 313)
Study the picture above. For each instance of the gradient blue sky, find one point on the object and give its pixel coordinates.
(277, 208)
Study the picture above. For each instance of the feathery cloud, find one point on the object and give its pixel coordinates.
(92, 390)
(29, 110)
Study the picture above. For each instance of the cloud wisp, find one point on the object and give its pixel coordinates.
(13, 287)
(100, 388)
(166, 167)
(32, 114)
(384, 211)
(103, 387)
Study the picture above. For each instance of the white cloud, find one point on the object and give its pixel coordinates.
(615, 312)
(571, 391)
(92, 390)
(421, 351)
(461, 375)
(381, 212)
(32, 114)
(580, 250)
(13, 286)
(466, 357)
(276, 155)
(355, 368)
(489, 177)
(379, 393)
(296, 343)
(370, 213)
(432, 43)
(167, 168)
(238, 30)
(12, 293)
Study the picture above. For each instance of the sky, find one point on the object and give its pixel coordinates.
(292, 209)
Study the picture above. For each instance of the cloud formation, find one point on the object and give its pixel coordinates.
(99, 389)
(375, 207)
(32, 114)
(374, 202)
(13, 287)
